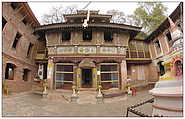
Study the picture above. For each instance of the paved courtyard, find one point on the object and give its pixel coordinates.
(29, 104)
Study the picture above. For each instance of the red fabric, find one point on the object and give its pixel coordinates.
(133, 91)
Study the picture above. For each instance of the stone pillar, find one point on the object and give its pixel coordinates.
(123, 74)
(50, 73)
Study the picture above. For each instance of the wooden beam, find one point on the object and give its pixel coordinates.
(17, 10)
(65, 64)
(108, 63)
(23, 17)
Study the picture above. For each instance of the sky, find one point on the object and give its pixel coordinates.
(40, 8)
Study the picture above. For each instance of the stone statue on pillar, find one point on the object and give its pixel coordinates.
(99, 96)
(74, 96)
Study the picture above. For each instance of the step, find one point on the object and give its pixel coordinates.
(38, 92)
(87, 89)
(87, 97)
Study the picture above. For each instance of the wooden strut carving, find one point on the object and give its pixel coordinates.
(87, 63)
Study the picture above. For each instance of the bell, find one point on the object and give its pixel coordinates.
(85, 23)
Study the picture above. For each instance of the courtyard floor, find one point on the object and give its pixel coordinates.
(30, 104)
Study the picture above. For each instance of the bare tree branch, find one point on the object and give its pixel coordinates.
(55, 15)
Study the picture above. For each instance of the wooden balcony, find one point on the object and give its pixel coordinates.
(41, 56)
(136, 56)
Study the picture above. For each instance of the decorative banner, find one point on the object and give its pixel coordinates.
(87, 50)
(65, 50)
(108, 50)
(122, 50)
(51, 50)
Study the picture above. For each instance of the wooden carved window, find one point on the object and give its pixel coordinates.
(66, 36)
(109, 75)
(24, 21)
(146, 50)
(9, 71)
(4, 22)
(108, 36)
(87, 35)
(179, 24)
(26, 74)
(138, 49)
(17, 38)
(30, 47)
(158, 47)
(64, 75)
(168, 36)
(132, 49)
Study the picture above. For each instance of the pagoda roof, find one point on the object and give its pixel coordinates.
(83, 14)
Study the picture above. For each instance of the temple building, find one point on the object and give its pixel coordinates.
(87, 50)
(102, 53)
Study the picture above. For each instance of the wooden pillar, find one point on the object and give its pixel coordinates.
(74, 75)
(50, 73)
(98, 75)
(123, 74)
(94, 78)
(4, 70)
(78, 77)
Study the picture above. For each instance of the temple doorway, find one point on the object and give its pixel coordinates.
(86, 78)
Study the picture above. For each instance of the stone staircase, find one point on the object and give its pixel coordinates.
(84, 97)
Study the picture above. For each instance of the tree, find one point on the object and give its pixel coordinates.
(117, 16)
(55, 15)
(149, 15)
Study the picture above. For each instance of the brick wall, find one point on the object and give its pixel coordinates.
(18, 56)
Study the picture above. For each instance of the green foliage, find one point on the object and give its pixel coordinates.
(149, 15)
(141, 35)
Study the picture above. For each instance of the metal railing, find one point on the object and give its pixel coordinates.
(139, 113)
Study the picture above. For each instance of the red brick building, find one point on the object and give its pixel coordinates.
(19, 46)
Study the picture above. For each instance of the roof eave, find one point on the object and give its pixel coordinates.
(60, 25)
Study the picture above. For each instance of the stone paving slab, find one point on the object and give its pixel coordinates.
(28, 104)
